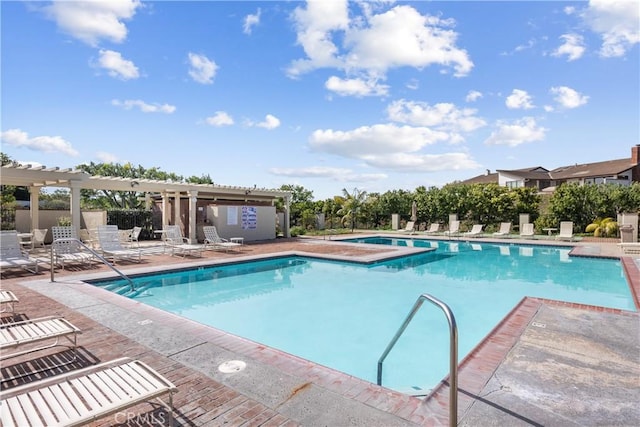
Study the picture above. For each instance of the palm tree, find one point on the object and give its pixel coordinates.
(352, 206)
(602, 227)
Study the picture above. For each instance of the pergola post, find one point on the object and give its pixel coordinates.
(75, 207)
(34, 209)
(176, 210)
(287, 205)
(193, 199)
(166, 209)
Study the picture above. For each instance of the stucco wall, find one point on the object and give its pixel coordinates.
(251, 222)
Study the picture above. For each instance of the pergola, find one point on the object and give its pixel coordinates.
(37, 177)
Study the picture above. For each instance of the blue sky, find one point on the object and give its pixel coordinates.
(376, 95)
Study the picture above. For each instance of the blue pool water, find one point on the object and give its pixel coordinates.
(343, 315)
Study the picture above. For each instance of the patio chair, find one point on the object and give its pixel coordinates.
(454, 228)
(212, 239)
(8, 299)
(505, 229)
(566, 231)
(174, 239)
(37, 242)
(526, 230)
(11, 255)
(68, 251)
(82, 396)
(109, 241)
(134, 236)
(475, 231)
(433, 228)
(27, 336)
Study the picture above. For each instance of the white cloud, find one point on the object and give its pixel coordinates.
(92, 21)
(105, 157)
(219, 119)
(569, 10)
(617, 22)
(335, 174)
(567, 97)
(116, 65)
(143, 106)
(373, 43)
(516, 133)
(573, 47)
(420, 163)
(473, 96)
(202, 70)
(355, 87)
(251, 21)
(519, 99)
(46, 144)
(442, 117)
(378, 139)
(270, 122)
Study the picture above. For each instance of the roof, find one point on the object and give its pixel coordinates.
(536, 172)
(41, 176)
(610, 167)
(490, 178)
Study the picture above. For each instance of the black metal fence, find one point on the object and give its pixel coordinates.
(126, 219)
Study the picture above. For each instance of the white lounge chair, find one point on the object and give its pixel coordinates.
(630, 248)
(11, 255)
(475, 231)
(85, 395)
(213, 240)
(174, 239)
(31, 335)
(566, 231)
(68, 250)
(454, 228)
(410, 227)
(527, 230)
(8, 299)
(433, 228)
(505, 229)
(109, 241)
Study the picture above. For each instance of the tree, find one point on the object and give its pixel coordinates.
(301, 204)
(352, 206)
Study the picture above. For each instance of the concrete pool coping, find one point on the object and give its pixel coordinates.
(310, 394)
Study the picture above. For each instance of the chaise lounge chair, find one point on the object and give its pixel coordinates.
(566, 231)
(85, 395)
(433, 228)
(527, 230)
(454, 228)
(67, 248)
(630, 247)
(31, 335)
(9, 299)
(505, 229)
(11, 255)
(213, 240)
(109, 240)
(475, 231)
(174, 239)
(410, 227)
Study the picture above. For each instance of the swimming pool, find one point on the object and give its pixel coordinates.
(343, 315)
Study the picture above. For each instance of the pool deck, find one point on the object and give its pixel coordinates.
(546, 363)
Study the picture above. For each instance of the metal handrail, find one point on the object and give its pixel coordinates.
(97, 255)
(453, 351)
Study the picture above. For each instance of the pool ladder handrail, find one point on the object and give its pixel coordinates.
(453, 351)
(97, 255)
